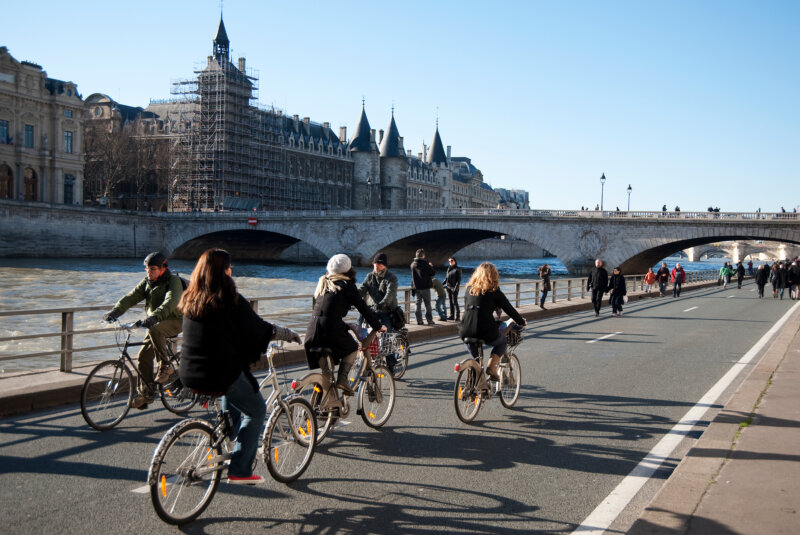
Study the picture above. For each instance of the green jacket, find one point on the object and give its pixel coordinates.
(160, 297)
(380, 289)
(438, 286)
(725, 270)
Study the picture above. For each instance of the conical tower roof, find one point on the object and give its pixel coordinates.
(222, 35)
(437, 154)
(361, 142)
(390, 144)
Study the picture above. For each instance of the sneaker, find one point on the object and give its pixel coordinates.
(141, 402)
(249, 480)
(164, 373)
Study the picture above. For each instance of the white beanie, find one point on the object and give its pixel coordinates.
(339, 263)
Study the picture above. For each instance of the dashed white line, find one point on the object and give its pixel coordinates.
(603, 337)
(688, 309)
(731, 296)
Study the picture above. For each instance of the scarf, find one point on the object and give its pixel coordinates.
(326, 283)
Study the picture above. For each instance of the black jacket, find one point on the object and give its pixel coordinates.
(326, 328)
(478, 321)
(617, 283)
(598, 279)
(421, 273)
(662, 275)
(739, 271)
(762, 276)
(218, 347)
(453, 278)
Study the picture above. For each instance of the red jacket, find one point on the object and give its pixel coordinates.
(672, 275)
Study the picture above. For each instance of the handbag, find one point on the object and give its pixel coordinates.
(398, 318)
(624, 298)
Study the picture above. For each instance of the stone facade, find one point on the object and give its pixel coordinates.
(41, 138)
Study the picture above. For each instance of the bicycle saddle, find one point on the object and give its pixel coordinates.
(322, 350)
(468, 340)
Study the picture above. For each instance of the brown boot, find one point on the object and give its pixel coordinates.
(491, 369)
(342, 381)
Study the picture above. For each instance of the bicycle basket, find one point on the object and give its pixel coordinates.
(513, 336)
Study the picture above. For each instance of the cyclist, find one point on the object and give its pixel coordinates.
(380, 289)
(160, 290)
(222, 336)
(483, 295)
(336, 292)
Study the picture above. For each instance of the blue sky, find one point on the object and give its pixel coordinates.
(692, 103)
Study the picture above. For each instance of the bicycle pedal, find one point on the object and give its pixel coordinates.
(360, 412)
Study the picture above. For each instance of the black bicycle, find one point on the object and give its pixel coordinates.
(108, 390)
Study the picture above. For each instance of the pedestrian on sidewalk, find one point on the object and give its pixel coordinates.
(422, 272)
(794, 279)
(617, 290)
(649, 279)
(544, 274)
(662, 276)
(725, 273)
(762, 277)
(441, 296)
(452, 282)
(782, 276)
(739, 275)
(677, 277)
(597, 283)
(773, 279)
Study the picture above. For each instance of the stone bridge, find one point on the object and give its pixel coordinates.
(740, 250)
(631, 240)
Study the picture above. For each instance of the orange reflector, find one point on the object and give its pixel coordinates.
(308, 426)
(380, 376)
(302, 431)
(275, 454)
(169, 394)
(477, 398)
(371, 416)
(317, 389)
(459, 392)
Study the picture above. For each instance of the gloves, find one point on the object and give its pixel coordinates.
(287, 335)
(147, 322)
(110, 316)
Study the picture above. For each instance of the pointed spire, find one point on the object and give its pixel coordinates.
(436, 154)
(390, 144)
(221, 42)
(362, 141)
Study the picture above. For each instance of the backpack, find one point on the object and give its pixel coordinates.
(184, 282)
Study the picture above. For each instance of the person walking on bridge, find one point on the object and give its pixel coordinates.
(422, 272)
(617, 290)
(662, 276)
(597, 283)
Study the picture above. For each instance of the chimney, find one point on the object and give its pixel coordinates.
(400, 143)
(372, 135)
(448, 153)
(380, 137)
(241, 64)
(408, 153)
(343, 134)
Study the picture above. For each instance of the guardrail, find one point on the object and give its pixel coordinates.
(294, 313)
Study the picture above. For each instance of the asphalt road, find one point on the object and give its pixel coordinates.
(589, 411)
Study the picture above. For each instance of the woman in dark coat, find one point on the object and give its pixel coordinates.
(544, 274)
(336, 292)
(617, 291)
(452, 282)
(482, 297)
(762, 277)
(222, 337)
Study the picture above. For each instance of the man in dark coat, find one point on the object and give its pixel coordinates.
(422, 272)
(739, 274)
(597, 284)
(662, 277)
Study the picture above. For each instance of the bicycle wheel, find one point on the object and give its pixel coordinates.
(176, 398)
(376, 396)
(510, 380)
(326, 419)
(289, 440)
(106, 395)
(467, 396)
(185, 471)
(400, 352)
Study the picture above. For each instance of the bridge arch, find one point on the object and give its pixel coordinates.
(243, 244)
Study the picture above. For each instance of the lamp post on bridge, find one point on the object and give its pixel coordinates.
(602, 187)
(629, 197)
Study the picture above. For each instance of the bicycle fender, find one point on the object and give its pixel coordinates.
(174, 430)
(468, 362)
(307, 380)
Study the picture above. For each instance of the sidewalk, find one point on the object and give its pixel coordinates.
(743, 474)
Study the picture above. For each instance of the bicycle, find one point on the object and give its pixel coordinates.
(372, 381)
(107, 393)
(473, 387)
(188, 462)
(393, 350)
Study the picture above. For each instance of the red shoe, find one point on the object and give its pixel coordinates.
(249, 480)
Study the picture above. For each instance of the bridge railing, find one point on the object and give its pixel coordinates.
(77, 334)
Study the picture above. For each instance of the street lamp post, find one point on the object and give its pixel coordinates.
(369, 192)
(602, 187)
(629, 197)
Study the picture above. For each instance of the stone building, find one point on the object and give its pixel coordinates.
(41, 138)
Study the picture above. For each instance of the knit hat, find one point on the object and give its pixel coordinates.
(380, 258)
(339, 263)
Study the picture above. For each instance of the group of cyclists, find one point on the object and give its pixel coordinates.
(223, 335)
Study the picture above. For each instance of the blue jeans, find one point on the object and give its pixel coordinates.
(441, 308)
(247, 405)
(498, 346)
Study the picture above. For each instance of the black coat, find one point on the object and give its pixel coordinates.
(762, 276)
(327, 328)
(218, 347)
(739, 271)
(598, 279)
(453, 278)
(421, 274)
(478, 320)
(617, 283)
(662, 275)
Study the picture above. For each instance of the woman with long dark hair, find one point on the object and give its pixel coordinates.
(222, 337)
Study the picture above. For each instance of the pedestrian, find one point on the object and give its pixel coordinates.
(596, 206)
(677, 208)
(598, 284)
(762, 277)
(452, 282)
(664, 208)
(773, 279)
(739, 275)
(782, 275)
(794, 280)
(662, 276)
(544, 274)
(725, 273)
(649, 279)
(750, 268)
(677, 277)
(422, 272)
(441, 298)
(617, 291)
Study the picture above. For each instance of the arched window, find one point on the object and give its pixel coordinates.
(30, 185)
(6, 182)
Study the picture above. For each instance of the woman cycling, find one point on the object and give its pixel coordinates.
(482, 297)
(336, 292)
(222, 336)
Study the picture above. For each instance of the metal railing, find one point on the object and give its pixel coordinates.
(294, 312)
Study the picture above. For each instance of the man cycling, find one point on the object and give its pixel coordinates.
(161, 291)
(379, 289)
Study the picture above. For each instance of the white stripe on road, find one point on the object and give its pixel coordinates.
(613, 504)
(688, 309)
(731, 296)
(142, 490)
(603, 337)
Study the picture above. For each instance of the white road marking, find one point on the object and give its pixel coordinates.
(688, 309)
(142, 490)
(613, 504)
(603, 337)
(731, 296)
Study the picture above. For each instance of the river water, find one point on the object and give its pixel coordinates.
(31, 284)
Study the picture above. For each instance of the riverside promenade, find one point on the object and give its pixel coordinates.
(742, 475)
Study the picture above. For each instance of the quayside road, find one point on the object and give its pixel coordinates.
(598, 395)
